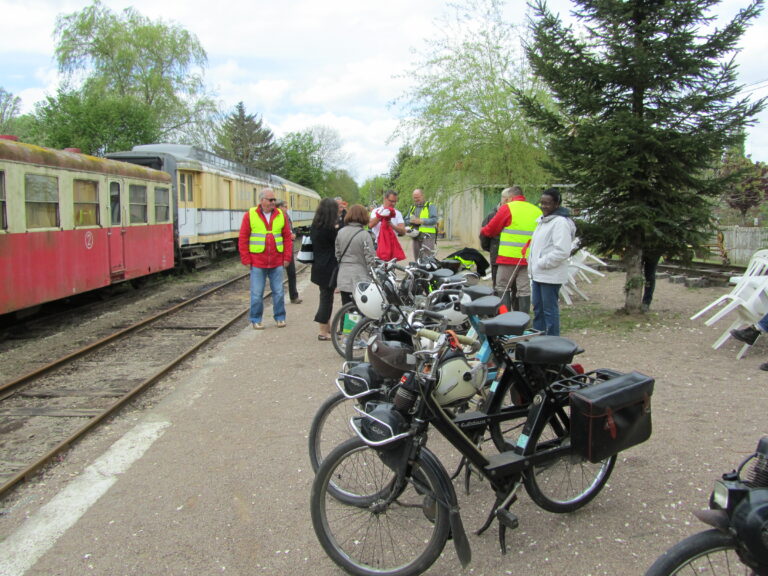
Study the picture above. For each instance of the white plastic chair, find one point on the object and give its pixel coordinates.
(747, 309)
(757, 267)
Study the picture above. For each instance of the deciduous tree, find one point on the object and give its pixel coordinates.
(460, 113)
(10, 106)
(646, 98)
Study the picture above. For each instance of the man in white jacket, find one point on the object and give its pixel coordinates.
(548, 261)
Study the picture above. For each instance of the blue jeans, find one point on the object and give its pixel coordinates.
(763, 323)
(546, 309)
(258, 282)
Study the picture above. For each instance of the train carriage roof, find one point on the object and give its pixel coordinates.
(72, 160)
(188, 156)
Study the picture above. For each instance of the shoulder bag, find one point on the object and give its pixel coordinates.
(306, 254)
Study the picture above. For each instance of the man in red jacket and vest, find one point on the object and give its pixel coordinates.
(514, 224)
(266, 247)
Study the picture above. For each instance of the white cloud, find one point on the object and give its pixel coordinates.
(299, 63)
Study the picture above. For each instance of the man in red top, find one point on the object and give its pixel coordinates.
(514, 224)
(266, 247)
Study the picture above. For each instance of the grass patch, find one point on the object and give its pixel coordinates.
(591, 316)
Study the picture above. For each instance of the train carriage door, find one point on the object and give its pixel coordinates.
(116, 230)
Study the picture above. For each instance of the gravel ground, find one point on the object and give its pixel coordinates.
(708, 412)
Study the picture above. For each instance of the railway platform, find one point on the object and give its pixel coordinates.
(212, 476)
(212, 479)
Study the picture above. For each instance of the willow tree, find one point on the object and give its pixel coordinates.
(126, 55)
(646, 102)
(461, 114)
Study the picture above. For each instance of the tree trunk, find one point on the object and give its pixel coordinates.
(633, 289)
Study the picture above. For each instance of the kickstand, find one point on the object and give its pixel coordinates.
(458, 470)
(490, 518)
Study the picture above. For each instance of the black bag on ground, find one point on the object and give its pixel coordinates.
(306, 254)
(611, 415)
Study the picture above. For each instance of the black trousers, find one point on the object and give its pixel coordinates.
(649, 272)
(293, 293)
(325, 306)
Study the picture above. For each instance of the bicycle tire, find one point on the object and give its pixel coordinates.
(338, 337)
(357, 340)
(505, 433)
(330, 427)
(363, 534)
(569, 482)
(710, 552)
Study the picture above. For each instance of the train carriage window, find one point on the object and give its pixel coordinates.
(185, 187)
(162, 205)
(86, 201)
(41, 194)
(3, 209)
(114, 203)
(137, 195)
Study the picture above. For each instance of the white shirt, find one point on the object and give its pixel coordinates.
(396, 219)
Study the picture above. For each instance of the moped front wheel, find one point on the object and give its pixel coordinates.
(357, 341)
(711, 552)
(338, 334)
(384, 528)
(568, 481)
(330, 427)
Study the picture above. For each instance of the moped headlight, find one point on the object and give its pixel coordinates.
(720, 495)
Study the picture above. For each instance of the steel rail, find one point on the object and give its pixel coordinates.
(27, 472)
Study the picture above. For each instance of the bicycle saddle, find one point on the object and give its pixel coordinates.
(509, 324)
(484, 306)
(547, 350)
(477, 291)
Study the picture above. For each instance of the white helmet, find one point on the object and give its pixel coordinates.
(369, 300)
(451, 311)
(412, 232)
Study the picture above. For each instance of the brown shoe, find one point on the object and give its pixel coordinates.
(280, 323)
(296, 300)
(258, 326)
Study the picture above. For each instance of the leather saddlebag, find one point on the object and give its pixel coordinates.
(611, 415)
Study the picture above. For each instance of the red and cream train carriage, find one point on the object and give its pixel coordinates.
(70, 223)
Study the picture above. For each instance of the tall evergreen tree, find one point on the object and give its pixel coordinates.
(646, 102)
(243, 138)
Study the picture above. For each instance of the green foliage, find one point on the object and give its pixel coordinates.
(641, 115)
(243, 138)
(461, 114)
(128, 56)
(339, 183)
(302, 162)
(96, 124)
(746, 184)
(10, 106)
(372, 190)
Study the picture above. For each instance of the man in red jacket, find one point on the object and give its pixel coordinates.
(514, 224)
(266, 247)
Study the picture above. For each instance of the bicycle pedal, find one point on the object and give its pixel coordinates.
(507, 518)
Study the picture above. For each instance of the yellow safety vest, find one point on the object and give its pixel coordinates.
(424, 214)
(259, 232)
(515, 236)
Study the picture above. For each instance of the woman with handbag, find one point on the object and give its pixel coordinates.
(323, 236)
(355, 252)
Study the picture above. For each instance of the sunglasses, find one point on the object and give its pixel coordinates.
(271, 199)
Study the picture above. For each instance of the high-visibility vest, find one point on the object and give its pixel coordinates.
(259, 232)
(423, 215)
(519, 231)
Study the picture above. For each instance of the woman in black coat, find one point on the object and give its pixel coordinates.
(323, 235)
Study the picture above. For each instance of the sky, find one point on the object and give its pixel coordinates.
(299, 63)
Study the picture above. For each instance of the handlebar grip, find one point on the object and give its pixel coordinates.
(428, 334)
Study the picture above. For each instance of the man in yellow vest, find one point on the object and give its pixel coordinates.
(422, 220)
(266, 247)
(514, 224)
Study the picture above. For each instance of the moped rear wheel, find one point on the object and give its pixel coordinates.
(373, 530)
(338, 336)
(357, 340)
(569, 481)
(711, 552)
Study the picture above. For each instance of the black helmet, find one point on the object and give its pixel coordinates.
(390, 358)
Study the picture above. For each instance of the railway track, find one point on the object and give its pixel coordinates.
(45, 411)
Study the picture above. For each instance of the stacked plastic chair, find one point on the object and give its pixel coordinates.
(579, 269)
(746, 303)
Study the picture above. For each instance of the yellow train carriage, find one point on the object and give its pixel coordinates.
(213, 194)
